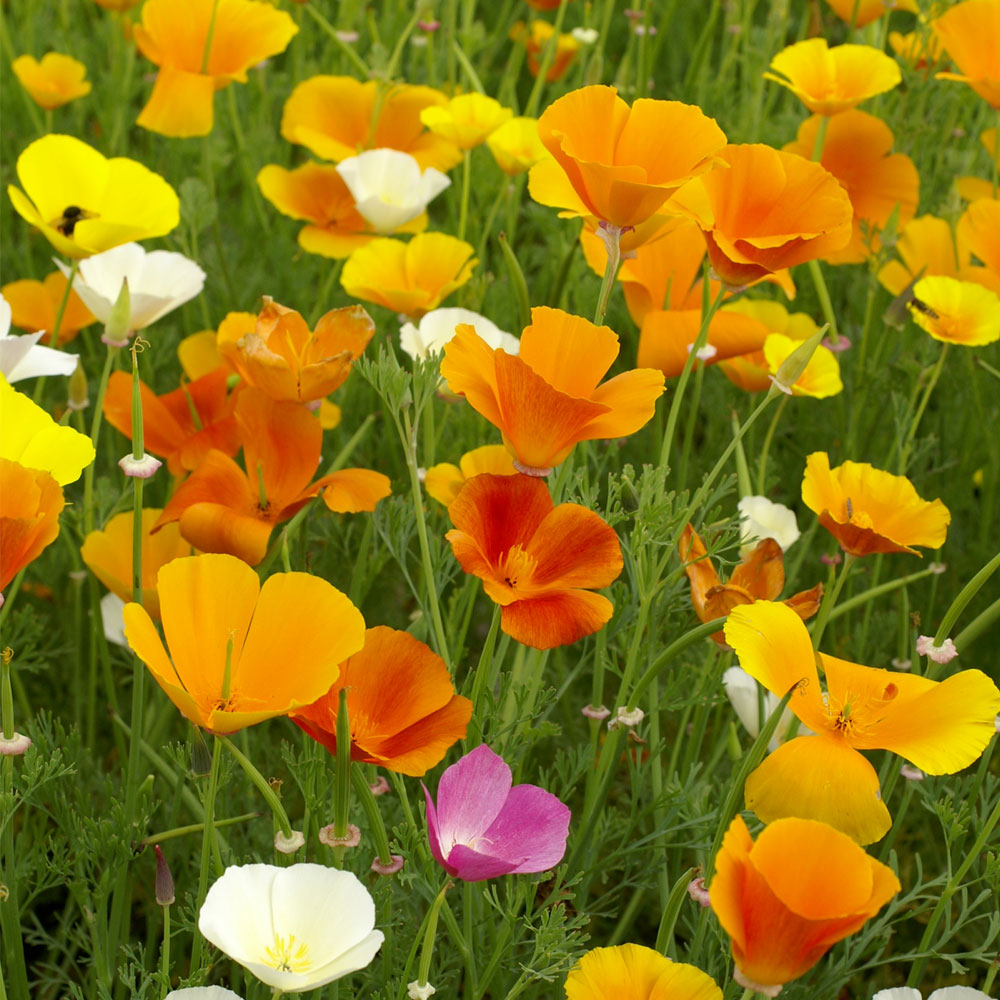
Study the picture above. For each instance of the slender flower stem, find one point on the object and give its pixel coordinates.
(766, 447)
(545, 62)
(427, 950)
(207, 841)
(829, 600)
(480, 681)
(270, 796)
(965, 595)
(463, 212)
(612, 243)
(862, 599)
(182, 831)
(63, 303)
(328, 29)
(826, 305)
(373, 814)
(342, 777)
(206, 53)
(907, 445)
(165, 951)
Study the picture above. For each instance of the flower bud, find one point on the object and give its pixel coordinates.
(164, 880)
(790, 370)
(118, 326)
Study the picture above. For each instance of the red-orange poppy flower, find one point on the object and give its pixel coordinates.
(760, 576)
(623, 162)
(869, 511)
(401, 703)
(221, 508)
(788, 898)
(332, 117)
(182, 426)
(174, 34)
(287, 360)
(548, 398)
(30, 504)
(970, 34)
(108, 555)
(33, 306)
(535, 38)
(537, 561)
(769, 210)
(856, 152)
(315, 193)
(861, 12)
(939, 727)
(237, 652)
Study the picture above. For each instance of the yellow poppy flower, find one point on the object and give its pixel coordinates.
(939, 727)
(444, 481)
(957, 312)
(466, 120)
(52, 82)
(410, 278)
(632, 972)
(515, 145)
(821, 377)
(926, 247)
(970, 34)
(85, 203)
(28, 435)
(869, 511)
(174, 35)
(827, 80)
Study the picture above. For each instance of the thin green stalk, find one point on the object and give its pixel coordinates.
(270, 795)
(481, 678)
(830, 600)
(907, 445)
(964, 596)
(978, 626)
(206, 53)
(823, 294)
(690, 424)
(545, 62)
(867, 596)
(328, 29)
(766, 447)
(63, 302)
(463, 212)
(208, 836)
(246, 164)
(373, 814)
(183, 831)
(427, 950)
(165, 950)
(342, 778)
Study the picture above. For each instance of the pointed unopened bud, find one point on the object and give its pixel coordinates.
(118, 327)
(164, 880)
(78, 398)
(790, 370)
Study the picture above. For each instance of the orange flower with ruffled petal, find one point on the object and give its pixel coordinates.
(30, 504)
(287, 360)
(401, 703)
(182, 426)
(879, 183)
(970, 34)
(939, 727)
(829, 81)
(787, 899)
(760, 575)
(409, 278)
(869, 511)
(332, 117)
(624, 163)
(769, 210)
(237, 652)
(108, 555)
(537, 561)
(444, 481)
(221, 508)
(551, 396)
(858, 13)
(33, 306)
(54, 81)
(535, 38)
(174, 34)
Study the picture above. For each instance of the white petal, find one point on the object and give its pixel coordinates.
(438, 327)
(899, 993)
(958, 993)
(202, 993)
(236, 914)
(113, 620)
(762, 518)
(410, 342)
(23, 357)
(5, 317)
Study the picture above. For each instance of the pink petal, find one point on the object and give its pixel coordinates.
(530, 831)
(470, 796)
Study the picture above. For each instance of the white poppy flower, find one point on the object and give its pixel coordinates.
(762, 518)
(203, 993)
(158, 282)
(438, 327)
(741, 690)
(113, 619)
(389, 188)
(23, 357)
(294, 928)
(947, 993)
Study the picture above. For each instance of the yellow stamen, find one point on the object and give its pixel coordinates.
(287, 956)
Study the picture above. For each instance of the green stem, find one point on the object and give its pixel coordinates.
(206, 53)
(63, 302)
(165, 952)
(545, 62)
(373, 814)
(427, 951)
(859, 600)
(270, 795)
(612, 242)
(481, 679)
(207, 842)
(823, 294)
(907, 446)
(328, 29)
(463, 213)
(829, 600)
(964, 596)
(183, 831)
(766, 447)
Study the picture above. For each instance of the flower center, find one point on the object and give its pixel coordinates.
(287, 955)
(516, 566)
(857, 517)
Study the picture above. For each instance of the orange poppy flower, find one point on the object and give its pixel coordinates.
(535, 39)
(317, 194)
(401, 702)
(182, 426)
(760, 576)
(974, 188)
(34, 304)
(52, 82)
(868, 510)
(979, 230)
(862, 12)
(926, 247)
(30, 504)
(174, 35)
(287, 360)
(769, 210)
(956, 312)
(548, 398)
(332, 117)
(108, 555)
(970, 34)
(536, 560)
(939, 727)
(444, 481)
(856, 152)
(921, 49)
(237, 652)
(623, 162)
(787, 899)
(221, 508)
(829, 81)
(409, 278)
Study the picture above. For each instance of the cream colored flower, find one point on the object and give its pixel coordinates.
(437, 327)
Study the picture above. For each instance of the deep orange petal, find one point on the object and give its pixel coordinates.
(557, 619)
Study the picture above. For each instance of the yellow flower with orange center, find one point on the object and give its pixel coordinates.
(54, 81)
(409, 278)
(632, 972)
(200, 47)
(829, 81)
(970, 34)
(465, 120)
(869, 511)
(939, 727)
(956, 312)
